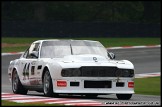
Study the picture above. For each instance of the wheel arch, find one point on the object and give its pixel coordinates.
(44, 69)
(19, 75)
(48, 93)
(13, 71)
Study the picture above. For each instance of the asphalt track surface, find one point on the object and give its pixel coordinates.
(145, 60)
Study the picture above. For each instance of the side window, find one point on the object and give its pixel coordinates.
(33, 48)
(36, 47)
(26, 53)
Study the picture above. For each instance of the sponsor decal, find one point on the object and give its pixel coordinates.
(33, 63)
(95, 59)
(131, 84)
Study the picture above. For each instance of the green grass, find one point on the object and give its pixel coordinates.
(147, 86)
(14, 49)
(107, 42)
(18, 40)
(9, 103)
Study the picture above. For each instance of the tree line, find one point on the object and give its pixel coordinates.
(84, 11)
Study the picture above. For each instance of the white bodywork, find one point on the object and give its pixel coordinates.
(30, 70)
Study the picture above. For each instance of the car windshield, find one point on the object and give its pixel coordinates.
(61, 48)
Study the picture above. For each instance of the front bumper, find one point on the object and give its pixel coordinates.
(102, 85)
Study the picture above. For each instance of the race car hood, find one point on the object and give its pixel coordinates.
(84, 58)
(93, 60)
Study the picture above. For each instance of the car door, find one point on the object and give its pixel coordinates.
(28, 65)
(22, 68)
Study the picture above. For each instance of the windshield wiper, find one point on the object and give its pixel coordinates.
(71, 49)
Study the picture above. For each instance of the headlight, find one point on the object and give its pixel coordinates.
(125, 73)
(131, 73)
(64, 73)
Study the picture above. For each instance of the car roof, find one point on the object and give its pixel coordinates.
(62, 40)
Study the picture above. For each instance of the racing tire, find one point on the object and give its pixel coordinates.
(124, 96)
(47, 85)
(17, 87)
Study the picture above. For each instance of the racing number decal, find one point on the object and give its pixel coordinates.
(27, 67)
(26, 70)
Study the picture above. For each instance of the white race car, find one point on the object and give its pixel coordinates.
(81, 67)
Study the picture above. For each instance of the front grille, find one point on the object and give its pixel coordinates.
(98, 71)
(97, 84)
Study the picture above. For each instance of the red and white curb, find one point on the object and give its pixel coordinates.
(11, 53)
(129, 47)
(123, 47)
(146, 75)
(47, 100)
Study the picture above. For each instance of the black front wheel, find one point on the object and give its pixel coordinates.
(47, 84)
(124, 96)
(17, 87)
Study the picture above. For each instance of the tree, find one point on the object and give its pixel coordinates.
(39, 11)
(152, 11)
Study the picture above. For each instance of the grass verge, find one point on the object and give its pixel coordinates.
(107, 42)
(14, 49)
(147, 86)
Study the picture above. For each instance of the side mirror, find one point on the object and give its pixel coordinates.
(111, 55)
(34, 54)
